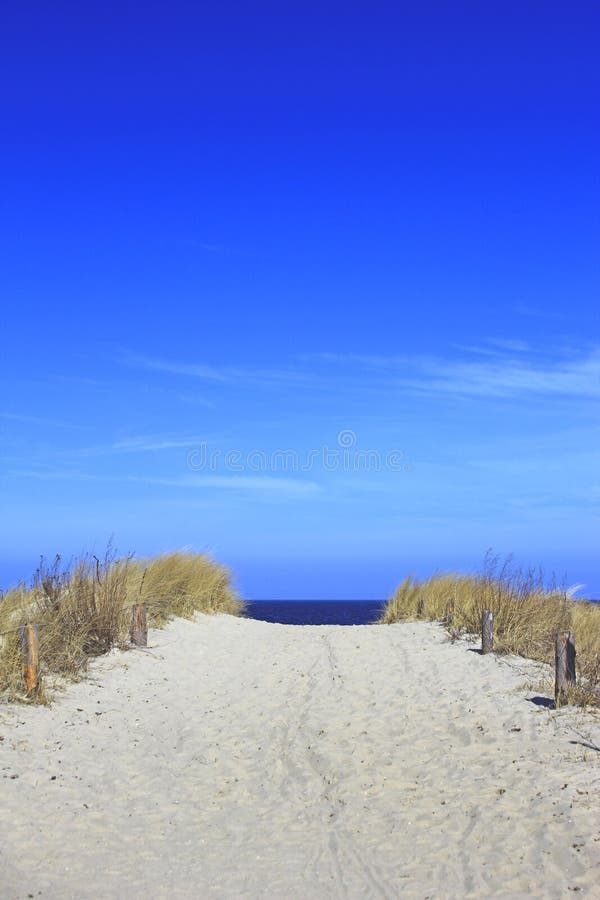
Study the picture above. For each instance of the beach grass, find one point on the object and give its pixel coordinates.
(527, 615)
(84, 608)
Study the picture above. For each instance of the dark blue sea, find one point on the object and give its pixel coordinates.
(315, 612)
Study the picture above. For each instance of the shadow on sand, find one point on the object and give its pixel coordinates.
(541, 701)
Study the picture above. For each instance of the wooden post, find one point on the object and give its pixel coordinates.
(565, 673)
(139, 625)
(487, 631)
(30, 651)
(449, 612)
(421, 608)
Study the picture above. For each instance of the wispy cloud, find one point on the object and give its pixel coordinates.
(494, 347)
(209, 248)
(194, 370)
(152, 443)
(537, 312)
(260, 484)
(510, 377)
(199, 242)
(503, 374)
(223, 375)
(498, 368)
(42, 421)
(513, 345)
(146, 443)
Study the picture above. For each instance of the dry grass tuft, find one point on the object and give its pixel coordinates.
(527, 615)
(84, 610)
(179, 584)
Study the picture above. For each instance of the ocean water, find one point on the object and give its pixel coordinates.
(315, 612)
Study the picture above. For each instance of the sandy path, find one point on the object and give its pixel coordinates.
(243, 759)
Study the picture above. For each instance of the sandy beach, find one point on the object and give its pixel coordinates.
(237, 758)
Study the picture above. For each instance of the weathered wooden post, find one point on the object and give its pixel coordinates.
(449, 612)
(30, 651)
(487, 631)
(565, 673)
(421, 608)
(139, 625)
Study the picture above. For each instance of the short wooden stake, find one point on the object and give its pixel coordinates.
(565, 673)
(139, 625)
(30, 651)
(449, 612)
(487, 631)
(421, 608)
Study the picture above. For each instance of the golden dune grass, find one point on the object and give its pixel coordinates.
(527, 616)
(85, 609)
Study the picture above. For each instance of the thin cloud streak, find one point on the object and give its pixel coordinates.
(134, 444)
(37, 420)
(225, 375)
(501, 376)
(507, 369)
(568, 378)
(286, 487)
(151, 443)
(281, 486)
(512, 345)
(194, 370)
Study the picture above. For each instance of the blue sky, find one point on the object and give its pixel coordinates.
(363, 230)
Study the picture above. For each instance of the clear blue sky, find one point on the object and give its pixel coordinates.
(237, 228)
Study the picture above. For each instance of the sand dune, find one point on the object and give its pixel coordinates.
(244, 759)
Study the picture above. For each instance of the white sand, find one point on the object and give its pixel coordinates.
(243, 759)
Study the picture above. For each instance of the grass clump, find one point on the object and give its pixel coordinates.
(84, 609)
(527, 614)
(179, 584)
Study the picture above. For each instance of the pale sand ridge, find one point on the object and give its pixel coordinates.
(244, 759)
